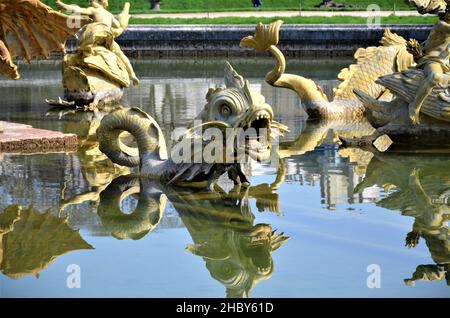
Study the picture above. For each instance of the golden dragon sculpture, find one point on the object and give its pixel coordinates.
(235, 124)
(419, 113)
(372, 62)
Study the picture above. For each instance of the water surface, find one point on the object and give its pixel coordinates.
(337, 213)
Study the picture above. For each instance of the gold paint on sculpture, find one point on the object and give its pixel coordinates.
(372, 62)
(97, 72)
(435, 64)
(28, 29)
(429, 6)
(419, 114)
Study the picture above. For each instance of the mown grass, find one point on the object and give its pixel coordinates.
(142, 6)
(290, 20)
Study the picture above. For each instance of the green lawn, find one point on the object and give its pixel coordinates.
(291, 20)
(142, 6)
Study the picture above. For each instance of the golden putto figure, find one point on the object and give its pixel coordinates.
(419, 113)
(432, 58)
(96, 73)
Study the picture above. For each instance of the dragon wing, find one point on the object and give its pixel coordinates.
(29, 28)
(372, 63)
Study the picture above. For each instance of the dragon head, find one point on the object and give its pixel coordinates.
(237, 252)
(249, 259)
(238, 106)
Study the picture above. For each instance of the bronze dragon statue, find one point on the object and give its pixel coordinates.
(235, 112)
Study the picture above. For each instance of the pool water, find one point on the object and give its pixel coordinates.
(341, 217)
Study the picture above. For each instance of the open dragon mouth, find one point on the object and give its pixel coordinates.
(257, 135)
(257, 247)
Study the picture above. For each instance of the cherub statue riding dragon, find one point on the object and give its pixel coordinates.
(401, 87)
(420, 112)
(95, 74)
(98, 71)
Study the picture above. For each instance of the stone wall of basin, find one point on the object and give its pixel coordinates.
(223, 40)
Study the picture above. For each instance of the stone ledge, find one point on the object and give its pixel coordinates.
(223, 40)
(20, 138)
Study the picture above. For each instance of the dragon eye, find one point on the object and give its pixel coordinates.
(225, 110)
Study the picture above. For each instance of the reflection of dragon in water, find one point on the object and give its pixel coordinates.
(315, 133)
(143, 219)
(422, 185)
(237, 108)
(28, 29)
(237, 253)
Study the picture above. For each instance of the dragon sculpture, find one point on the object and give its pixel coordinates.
(420, 112)
(235, 112)
(372, 62)
(28, 29)
(418, 186)
(237, 252)
(96, 73)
